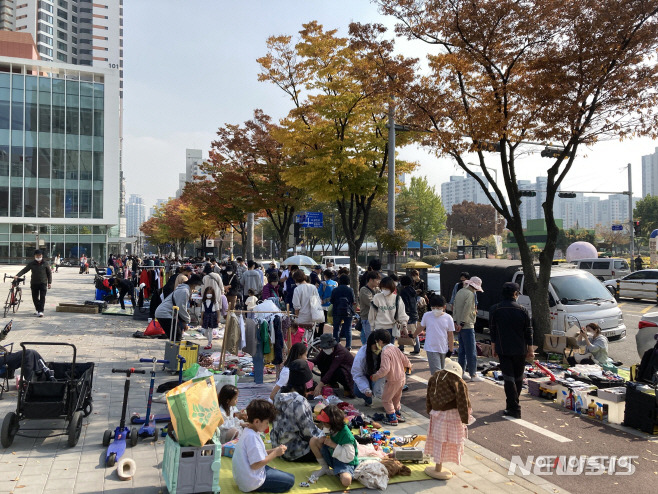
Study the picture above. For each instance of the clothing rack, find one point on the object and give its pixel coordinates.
(228, 314)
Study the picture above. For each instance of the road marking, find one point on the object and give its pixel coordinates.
(418, 378)
(644, 311)
(540, 430)
(621, 304)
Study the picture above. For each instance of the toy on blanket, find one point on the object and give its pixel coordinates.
(229, 448)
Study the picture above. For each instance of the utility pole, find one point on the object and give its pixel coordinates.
(333, 233)
(630, 213)
(391, 177)
(249, 250)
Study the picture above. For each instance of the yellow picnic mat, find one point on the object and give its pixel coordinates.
(326, 483)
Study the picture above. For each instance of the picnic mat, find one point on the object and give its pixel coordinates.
(116, 311)
(326, 483)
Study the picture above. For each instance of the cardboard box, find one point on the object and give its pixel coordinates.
(615, 395)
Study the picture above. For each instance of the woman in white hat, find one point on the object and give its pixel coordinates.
(449, 408)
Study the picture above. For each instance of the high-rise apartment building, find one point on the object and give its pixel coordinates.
(135, 214)
(7, 16)
(461, 189)
(650, 174)
(193, 162)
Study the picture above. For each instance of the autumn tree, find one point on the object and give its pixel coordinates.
(337, 127)
(167, 226)
(646, 212)
(425, 214)
(612, 239)
(504, 73)
(474, 221)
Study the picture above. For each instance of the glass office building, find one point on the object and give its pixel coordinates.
(58, 159)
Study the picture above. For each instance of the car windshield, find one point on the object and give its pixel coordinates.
(342, 261)
(579, 288)
(434, 283)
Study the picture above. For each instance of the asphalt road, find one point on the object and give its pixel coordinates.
(547, 429)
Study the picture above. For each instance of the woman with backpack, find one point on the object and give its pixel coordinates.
(324, 291)
(342, 300)
(387, 310)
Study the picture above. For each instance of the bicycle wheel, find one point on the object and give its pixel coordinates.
(8, 302)
(17, 299)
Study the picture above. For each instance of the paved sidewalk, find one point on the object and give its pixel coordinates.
(46, 464)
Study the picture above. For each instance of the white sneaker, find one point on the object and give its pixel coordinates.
(36, 314)
(477, 379)
(40, 314)
(466, 377)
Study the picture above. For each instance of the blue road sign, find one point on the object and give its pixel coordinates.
(617, 227)
(311, 220)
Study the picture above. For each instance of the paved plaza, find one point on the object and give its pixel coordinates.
(45, 463)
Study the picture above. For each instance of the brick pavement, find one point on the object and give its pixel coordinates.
(45, 464)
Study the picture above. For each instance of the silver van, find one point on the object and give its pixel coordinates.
(605, 268)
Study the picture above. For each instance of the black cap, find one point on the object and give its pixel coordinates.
(38, 252)
(510, 288)
(327, 341)
(300, 374)
(317, 266)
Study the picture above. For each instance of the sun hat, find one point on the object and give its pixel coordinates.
(454, 367)
(476, 283)
(327, 341)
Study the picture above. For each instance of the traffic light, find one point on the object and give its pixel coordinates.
(298, 233)
(636, 228)
(527, 193)
(567, 195)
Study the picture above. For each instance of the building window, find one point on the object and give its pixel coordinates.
(74, 50)
(45, 17)
(62, 13)
(46, 51)
(85, 20)
(74, 8)
(62, 57)
(74, 18)
(45, 28)
(84, 30)
(42, 38)
(85, 10)
(62, 35)
(74, 29)
(85, 52)
(61, 46)
(63, 3)
(45, 6)
(85, 41)
(61, 24)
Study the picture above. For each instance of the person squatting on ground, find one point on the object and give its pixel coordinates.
(367, 362)
(335, 365)
(511, 341)
(393, 366)
(40, 281)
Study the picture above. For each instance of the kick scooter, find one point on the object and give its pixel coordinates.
(121, 433)
(136, 418)
(148, 428)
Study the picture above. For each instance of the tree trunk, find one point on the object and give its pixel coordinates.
(422, 248)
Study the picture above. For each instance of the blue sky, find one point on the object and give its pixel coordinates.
(190, 66)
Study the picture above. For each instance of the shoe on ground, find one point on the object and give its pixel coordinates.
(512, 413)
(391, 420)
(477, 379)
(405, 388)
(207, 347)
(414, 353)
(40, 314)
(36, 313)
(401, 419)
(378, 417)
(466, 376)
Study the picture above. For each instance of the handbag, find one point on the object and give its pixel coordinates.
(406, 340)
(317, 312)
(554, 343)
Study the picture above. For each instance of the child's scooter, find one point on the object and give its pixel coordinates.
(136, 418)
(121, 433)
(148, 428)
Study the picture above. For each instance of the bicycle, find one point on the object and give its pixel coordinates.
(15, 294)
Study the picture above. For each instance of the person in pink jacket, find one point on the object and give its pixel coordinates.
(393, 366)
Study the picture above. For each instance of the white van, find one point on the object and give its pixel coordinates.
(605, 268)
(575, 296)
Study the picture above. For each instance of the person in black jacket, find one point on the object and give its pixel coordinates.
(342, 300)
(40, 281)
(511, 341)
(408, 295)
(125, 287)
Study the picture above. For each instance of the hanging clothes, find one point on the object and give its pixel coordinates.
(251, 340)
(243, 340)
(232, 336)
(278, 345)
(144, 278)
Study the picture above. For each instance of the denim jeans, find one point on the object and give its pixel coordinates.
(276, 481)
(467, 357)
(365, 331)
(359, 394)
(343, 329)
(377, 389)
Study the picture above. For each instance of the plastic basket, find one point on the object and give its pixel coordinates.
(188, 469)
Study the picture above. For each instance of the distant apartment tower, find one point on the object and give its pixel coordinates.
(193, 162)
(650, 174)
(135, 214)
(7, 16)
(158, 203)
(461, 189)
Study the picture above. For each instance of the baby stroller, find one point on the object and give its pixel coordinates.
(58, 390)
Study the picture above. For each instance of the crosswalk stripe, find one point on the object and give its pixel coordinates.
(540, 430)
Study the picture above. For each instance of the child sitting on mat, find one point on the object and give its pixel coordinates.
(250, 459)
(449, 408)
(337, 450)
(233, 419)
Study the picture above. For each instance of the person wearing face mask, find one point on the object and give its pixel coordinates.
(439, 330)
(595, 343)
(294, 426)
(387, 310)
(271, 289)
(335, 365)
(231, 284)
(394, 363)
(212, 306)
(366, 362)
(511, 341)
(40, 282)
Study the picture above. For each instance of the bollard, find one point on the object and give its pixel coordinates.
(656, 292)
(618, 290)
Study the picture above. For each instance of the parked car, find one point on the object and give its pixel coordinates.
(606, 268)
(647, 328)
(638, 285)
